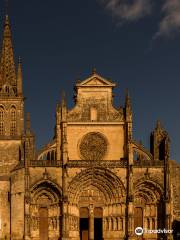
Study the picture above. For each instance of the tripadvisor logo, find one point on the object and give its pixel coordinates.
(139, 231)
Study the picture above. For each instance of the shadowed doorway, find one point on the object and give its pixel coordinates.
(138, 217)
(98, 216)
(43, 223)
(84, 223)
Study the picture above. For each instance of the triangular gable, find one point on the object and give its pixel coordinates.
(95, 81)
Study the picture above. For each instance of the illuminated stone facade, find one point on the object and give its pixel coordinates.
(93, 180)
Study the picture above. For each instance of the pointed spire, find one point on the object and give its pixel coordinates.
(128, 107)
(128, 100)
(19, 78)
(158, 125)
(63, 101)
(28, 122)
(58, 107)
(7, 65)
(63, 107)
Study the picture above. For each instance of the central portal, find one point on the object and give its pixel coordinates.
(91, 227)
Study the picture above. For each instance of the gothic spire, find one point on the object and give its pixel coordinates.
(128, 100)
(128, 107)
(19, 78)
(28, 131)
(63, 107)
(28, 122)
(7, 65)
(158, 125)
(63, 101)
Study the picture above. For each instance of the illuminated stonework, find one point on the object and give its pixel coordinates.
(93, 180)
(93, 146)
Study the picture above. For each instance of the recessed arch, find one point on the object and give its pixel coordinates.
(45, 208)
(148, 195)
(107, 182)
(150, 188)
(46, 187)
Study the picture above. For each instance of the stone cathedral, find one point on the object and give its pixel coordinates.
(93, 181)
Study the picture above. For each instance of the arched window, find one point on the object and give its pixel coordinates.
(93, 114)
(13, 121)
(1, 121)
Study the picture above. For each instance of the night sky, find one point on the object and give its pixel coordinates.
(135, 43)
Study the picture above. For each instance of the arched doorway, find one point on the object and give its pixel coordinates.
(98, 194)
(148, 203)
(45, 211)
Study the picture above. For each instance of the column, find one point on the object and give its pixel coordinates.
(91, 222)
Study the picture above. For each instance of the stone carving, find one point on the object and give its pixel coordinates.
(93, 146)
(81, 112)
(98, 163)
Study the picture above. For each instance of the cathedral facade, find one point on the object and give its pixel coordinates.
(93, 180)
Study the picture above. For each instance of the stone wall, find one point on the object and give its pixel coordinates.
(4, 208)
(175, 189)
(17, 204)
(9, 155)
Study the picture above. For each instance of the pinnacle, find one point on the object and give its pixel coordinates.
(94, 71)
(7, 68)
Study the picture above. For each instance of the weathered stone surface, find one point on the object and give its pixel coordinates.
(92, 176)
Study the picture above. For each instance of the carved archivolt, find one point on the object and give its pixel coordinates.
(105, 181)
(93, 146)
(45, 190)
(147, 191)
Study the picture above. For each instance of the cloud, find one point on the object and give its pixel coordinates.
(171, 21)
(126, 10)
(133, 10)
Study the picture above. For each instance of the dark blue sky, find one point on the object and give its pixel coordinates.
(61, 41)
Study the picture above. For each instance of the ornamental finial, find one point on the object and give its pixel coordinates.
(94, 71)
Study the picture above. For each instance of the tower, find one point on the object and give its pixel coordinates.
(11, 104)
(159, 143)
(11, 124)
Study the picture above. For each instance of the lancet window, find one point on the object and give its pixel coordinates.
(13, 121)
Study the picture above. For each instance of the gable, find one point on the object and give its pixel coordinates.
(94, 81)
